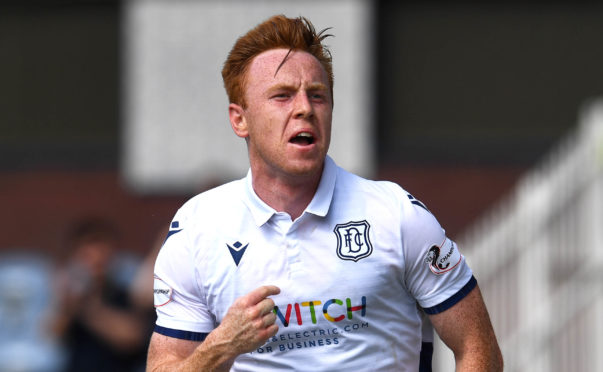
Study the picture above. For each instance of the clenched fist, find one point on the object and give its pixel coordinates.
(250, 320)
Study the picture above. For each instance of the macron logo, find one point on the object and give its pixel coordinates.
(237, 251)
(174, 228)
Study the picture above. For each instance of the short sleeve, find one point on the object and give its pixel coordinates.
(180, 305)
(436, 273)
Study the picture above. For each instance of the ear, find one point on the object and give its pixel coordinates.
(237, 120)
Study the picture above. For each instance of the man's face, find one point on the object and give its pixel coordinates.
(287, 121)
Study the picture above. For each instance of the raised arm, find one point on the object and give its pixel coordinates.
(466, 329)
(248, 323)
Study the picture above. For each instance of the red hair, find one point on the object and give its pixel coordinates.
(276, 32)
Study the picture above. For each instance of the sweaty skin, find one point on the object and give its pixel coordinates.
(287, 125)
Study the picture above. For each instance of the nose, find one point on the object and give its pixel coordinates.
(303, 107)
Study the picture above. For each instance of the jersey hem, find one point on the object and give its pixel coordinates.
(183, 335)
(454, 299)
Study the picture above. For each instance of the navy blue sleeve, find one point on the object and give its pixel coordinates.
(454, 299)
(183, 335)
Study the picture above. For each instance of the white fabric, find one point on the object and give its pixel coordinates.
(317, 275)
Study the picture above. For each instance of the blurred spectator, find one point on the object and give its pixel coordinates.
(96, 320)
(25, 300)
(141, 290)
(141, 287)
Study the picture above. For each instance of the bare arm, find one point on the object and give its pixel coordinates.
(466, 329)
(247, 325)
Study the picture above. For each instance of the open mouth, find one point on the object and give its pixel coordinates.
(303, 139)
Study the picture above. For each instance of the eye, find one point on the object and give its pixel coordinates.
(281, 96)
(318, 97)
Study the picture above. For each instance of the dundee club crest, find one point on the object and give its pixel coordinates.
(353, 241)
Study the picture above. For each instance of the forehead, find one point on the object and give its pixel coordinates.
(299, 67)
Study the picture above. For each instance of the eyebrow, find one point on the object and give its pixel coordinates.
(285, 86)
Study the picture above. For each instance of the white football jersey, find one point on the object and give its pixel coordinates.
(351, 270)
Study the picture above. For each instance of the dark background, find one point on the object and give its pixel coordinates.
(469, 96)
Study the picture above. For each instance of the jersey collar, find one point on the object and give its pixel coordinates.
(324, 194)
(319, 205)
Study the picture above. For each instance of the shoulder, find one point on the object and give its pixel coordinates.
(391, 202)
(220, 194)
(185, 243)
(351, 183)
(201, 214)
(386, 191)
(210, 203)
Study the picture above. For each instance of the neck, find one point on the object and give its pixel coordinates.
(290, 194)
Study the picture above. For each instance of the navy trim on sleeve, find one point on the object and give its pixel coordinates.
(454, 299)
(183, 335)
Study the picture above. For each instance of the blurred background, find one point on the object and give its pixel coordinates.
(112, 114)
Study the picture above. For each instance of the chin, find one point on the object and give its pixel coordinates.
(306, 168)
